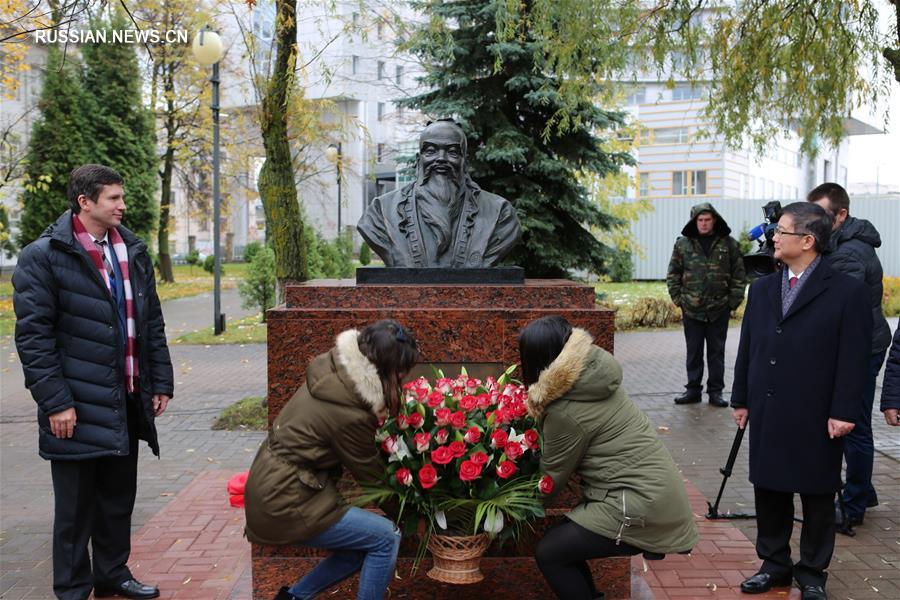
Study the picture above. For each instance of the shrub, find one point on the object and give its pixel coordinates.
(365, 254)
(328, 259)
(620, 268)
(250, 250)
(648, 312)
(258, 287)
(890, 299)
(192, 258)
(209, 264)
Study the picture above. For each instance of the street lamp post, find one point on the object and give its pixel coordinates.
(333, 153)
(208, 50)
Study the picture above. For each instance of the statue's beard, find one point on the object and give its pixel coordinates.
(439, 204)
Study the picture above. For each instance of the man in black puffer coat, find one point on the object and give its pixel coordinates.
(852, 251)
(91, 339)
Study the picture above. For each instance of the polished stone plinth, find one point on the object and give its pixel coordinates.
(455, 324)
(439, 275)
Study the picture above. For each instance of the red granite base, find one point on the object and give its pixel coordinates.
(459, 324)
(453, 323)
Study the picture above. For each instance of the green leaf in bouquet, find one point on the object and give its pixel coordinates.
(438, 373)
(490, 421)
(420, 408)
(462, 371)
(459, 437)
(504, 379)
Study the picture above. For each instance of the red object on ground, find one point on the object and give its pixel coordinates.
(236, 500)
(236, 487)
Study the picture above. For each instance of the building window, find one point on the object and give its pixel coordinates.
(380, 153)
(688, 183)
(398, 76)
(355, 64)
(780, 191)
(643, 185)
(381, 111)
(636, 96)
(671, 135)
(843, 176)
(645, 136)
(687, 92)
(380, 70)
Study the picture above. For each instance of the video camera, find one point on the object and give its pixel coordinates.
(762, 262)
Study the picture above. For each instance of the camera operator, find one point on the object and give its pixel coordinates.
(852, 252)
(800, 370)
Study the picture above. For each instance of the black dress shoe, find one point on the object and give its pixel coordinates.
(688, 398)
(715, 398)
(763, 582)
(813, 592)
(131, 588)
(845, 520)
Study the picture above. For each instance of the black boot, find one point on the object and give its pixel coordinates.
(284, 594)
(688, 398)
(715, 398)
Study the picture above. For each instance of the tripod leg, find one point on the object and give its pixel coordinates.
(726, 472)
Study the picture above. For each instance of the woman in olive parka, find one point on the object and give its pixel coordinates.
(328, 425)
(634, 498)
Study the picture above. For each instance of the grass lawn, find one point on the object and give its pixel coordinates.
(244, 331)
(7, 316)
(249, 413)
(626, 293)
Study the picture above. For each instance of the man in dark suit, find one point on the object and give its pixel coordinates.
(800, 370)
(92, 342)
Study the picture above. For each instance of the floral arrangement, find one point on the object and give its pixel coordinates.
(463, 455)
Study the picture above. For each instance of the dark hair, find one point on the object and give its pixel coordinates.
(836, 195)
(88, 180)
(812, 219)
(540, 342)
(392, 349)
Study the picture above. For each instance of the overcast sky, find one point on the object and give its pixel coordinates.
(878, 156)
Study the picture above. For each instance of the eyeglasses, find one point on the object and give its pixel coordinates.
(779, 231)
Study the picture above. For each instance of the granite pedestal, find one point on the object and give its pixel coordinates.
(454, 325)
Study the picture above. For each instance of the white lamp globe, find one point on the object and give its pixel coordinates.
(207, 47)
(332, 153)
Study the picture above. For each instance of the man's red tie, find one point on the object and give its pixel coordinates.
(792, 282)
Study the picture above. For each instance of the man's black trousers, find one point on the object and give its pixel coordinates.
(712, 334)
(94, 499)
(774, 525)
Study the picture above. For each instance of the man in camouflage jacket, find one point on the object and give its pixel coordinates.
(706, 279)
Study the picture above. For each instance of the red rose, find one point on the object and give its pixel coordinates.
(441, 436)
(513, 450)
(469, 471)
(468, 403)
(546, 484)
(442, 455)
(402, 423)
(499, 439)
(457, 448)
(479, 458)
(506, 469)
(404, 476)
(531, 439)
(484, 400)
(471, 384)
(415, 420)
(458, 420)
(473, 435)
(422, 441)
(443, 416)
(435, 399)
(427, 477)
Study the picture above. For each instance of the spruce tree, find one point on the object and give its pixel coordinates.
(121, 128)
(506, 99)
(58, 144)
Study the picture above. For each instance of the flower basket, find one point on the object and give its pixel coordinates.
(457, 557)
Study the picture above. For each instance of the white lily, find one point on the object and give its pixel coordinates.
(401, 453)
(514, 437)
(441, 519)
(493, 523)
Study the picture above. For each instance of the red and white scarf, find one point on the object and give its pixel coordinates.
(121, 253)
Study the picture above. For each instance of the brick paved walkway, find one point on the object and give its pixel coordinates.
(185, 489)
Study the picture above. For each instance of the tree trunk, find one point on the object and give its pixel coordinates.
(284, 225)
(165, 199)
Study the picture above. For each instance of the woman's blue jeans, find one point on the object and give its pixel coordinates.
(362, 541)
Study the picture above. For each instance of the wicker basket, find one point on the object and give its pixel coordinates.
(456, 558)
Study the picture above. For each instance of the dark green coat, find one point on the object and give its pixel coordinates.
(705, 286)
(329, 424)
(592, 428)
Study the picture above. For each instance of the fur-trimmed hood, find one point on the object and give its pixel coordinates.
(346, 365)
(582, 372)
